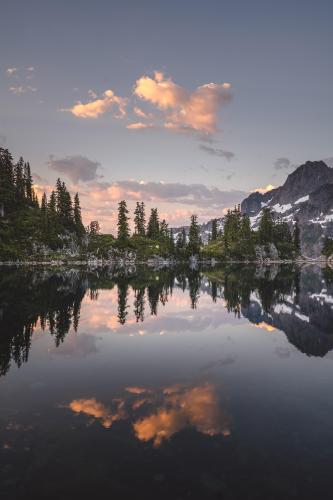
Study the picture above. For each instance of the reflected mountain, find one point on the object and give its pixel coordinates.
(298, 302)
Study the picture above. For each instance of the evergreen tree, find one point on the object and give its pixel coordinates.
(266, 227)
(123, 227)
(64, 206)
(44, 214)
(214, 230)
(327, 247)
(164, 229)
(79, 227)
(181, 241)
(7, 184)
(94, 228)
(153, 229)
(172, 242)
(297, 238)
(53, 222)
(140, 219)
(28, 182)
(194, 236)
(19, 182)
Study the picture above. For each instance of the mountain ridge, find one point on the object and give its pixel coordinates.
(305, 196)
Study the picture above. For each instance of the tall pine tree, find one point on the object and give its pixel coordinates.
(297, 238)
(123, 227)
(194, 236)
(140, 219)
(214, 230)
(153, 228)
(79, 227)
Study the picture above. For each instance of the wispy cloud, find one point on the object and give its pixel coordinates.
(175, 201)
(169, 192)
(282, 163)
(140, 126)
(142, 114)
(97, 107)
(22, 89)
(11, 71)
(229, 155)
(76, 168)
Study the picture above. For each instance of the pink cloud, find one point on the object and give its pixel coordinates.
(183, 109)
(98, 107)
(140, 126)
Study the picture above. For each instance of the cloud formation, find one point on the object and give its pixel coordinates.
(142, 114)
(76, 168)
(97, 107)
(168, 411)
(182, 407)
(181, 108)
(229, 155)
(140, 126)
(168, 192)
(97, 410)
(282, 163)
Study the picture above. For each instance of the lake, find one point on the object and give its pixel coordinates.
(166, 384)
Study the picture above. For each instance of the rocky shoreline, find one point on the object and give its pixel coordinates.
(160, 262)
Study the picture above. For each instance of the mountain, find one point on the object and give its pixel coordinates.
(205, 229)
(306, 195)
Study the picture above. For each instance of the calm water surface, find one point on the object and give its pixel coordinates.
(185, 384)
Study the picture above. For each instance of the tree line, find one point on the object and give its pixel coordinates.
(24, 222)
(240, 240)
(157, 231)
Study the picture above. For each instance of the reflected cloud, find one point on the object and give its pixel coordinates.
(168, 411)
(196, 407)
(97, 410)
(77, 345)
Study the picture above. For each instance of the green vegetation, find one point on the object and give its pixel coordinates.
(27, 228)
(327, 247)
(53, 228)
(239, 242)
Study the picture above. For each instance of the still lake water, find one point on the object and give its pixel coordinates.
(184, 384)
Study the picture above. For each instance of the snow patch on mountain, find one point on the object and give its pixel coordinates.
(302, 200)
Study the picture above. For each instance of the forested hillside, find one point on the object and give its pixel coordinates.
(28, 227)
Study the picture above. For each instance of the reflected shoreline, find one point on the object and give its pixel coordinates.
(295, 300)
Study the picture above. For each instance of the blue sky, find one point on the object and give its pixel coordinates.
(157, 58)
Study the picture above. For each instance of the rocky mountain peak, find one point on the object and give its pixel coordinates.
(304, 180)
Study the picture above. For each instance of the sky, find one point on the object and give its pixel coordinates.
(187, 105)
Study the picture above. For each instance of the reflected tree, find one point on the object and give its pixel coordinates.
(122, 301)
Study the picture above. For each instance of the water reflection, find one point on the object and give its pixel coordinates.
(158, 414)
(298, 302)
